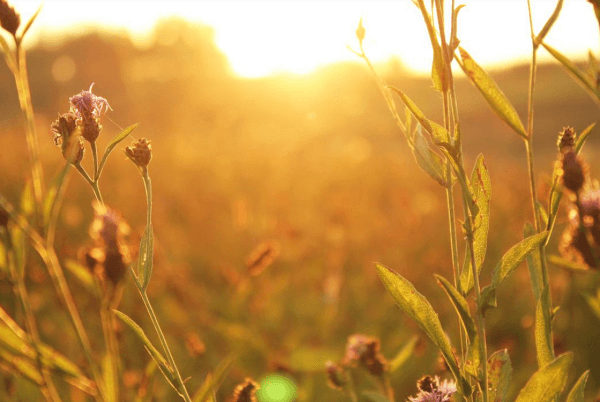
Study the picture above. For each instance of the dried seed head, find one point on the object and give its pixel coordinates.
(566, 140)
(360, 31)
(363, 350)
(246, 391)
(336, 377)
(67, 138)
(9, 18)
(574, 171)
(432, 390)
(140, 152)
(261, 257)
(108, 231)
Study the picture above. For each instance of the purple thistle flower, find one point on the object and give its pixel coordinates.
(87, 105)
(434, 391)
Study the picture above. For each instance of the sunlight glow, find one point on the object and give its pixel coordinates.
(267, 37)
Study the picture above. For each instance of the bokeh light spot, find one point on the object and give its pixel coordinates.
(63, 69)
(276, 388)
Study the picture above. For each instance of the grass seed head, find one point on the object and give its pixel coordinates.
(9, 18)
(246, 391)
(140, 152)
(566, 140)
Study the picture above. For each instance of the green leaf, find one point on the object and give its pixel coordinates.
(578, 390)
(549, 23)
(534, 264)
(574, 71)
(428, 160)
(482, 191)
(374, 396)
(404, 354)
(543, 343)
(511, 259)
(460, 305)
(418, 308)
(437, 132)
(212, 383)
(145, 257)
(547, 383)
(163, 365)
(113, 143)
(499, 375)
(438, 72)
(492, 94)
(583, 137)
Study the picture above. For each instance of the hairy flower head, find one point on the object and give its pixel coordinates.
(432, 390)
(88, 107)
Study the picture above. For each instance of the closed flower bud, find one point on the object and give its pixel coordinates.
(360, 31)
(66, 136)
(574, 171)
(566, 140)
(246, 391)
(140, 152)
(9, 18)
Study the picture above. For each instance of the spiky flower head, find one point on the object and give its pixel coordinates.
(111, 252)
(88, 107)
(67, 138)
(574, 171)
(9, 18)
(363, 351)
(566, 140)
(336, 377)
(140, 152)
(432, 390)
(246, 391)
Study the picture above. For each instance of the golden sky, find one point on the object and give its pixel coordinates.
(265, 37)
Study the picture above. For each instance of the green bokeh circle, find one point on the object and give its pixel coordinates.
(276, 388)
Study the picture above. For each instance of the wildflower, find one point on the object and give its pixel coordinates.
(261, 257)
(66, 137)
(431, 390)
(336, 377)
(108, 230)
(9, 18)
(574, 171)
(246, 391)
(364, 351)
(140, 152)
(87, 107)
(566, 140)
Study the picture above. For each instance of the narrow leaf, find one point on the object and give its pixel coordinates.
(578, 390)
(549, 23)
(574, 71)
(428, 160)
(460, 305)
(583, 137)
(438, 72)
(212, 383)
(499, 376)
(547, 383)
(418, 308)
(146, 254)
(492, 93)
(543, 343)
(114, 142)
(534, 264)
(404, 354)
(482, 191)
(162, 363)
(30, 21)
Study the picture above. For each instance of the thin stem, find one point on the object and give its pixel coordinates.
(95, 158)
(111, 345)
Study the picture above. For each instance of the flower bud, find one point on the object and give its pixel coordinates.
(336, 378)
(66, 136)
(566, 140)
(140, 152)
(246, 391)
(360, 31)
(574, 171)
(9, 18)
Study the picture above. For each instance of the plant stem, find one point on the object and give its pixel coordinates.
(24, 93)
(111, 345)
